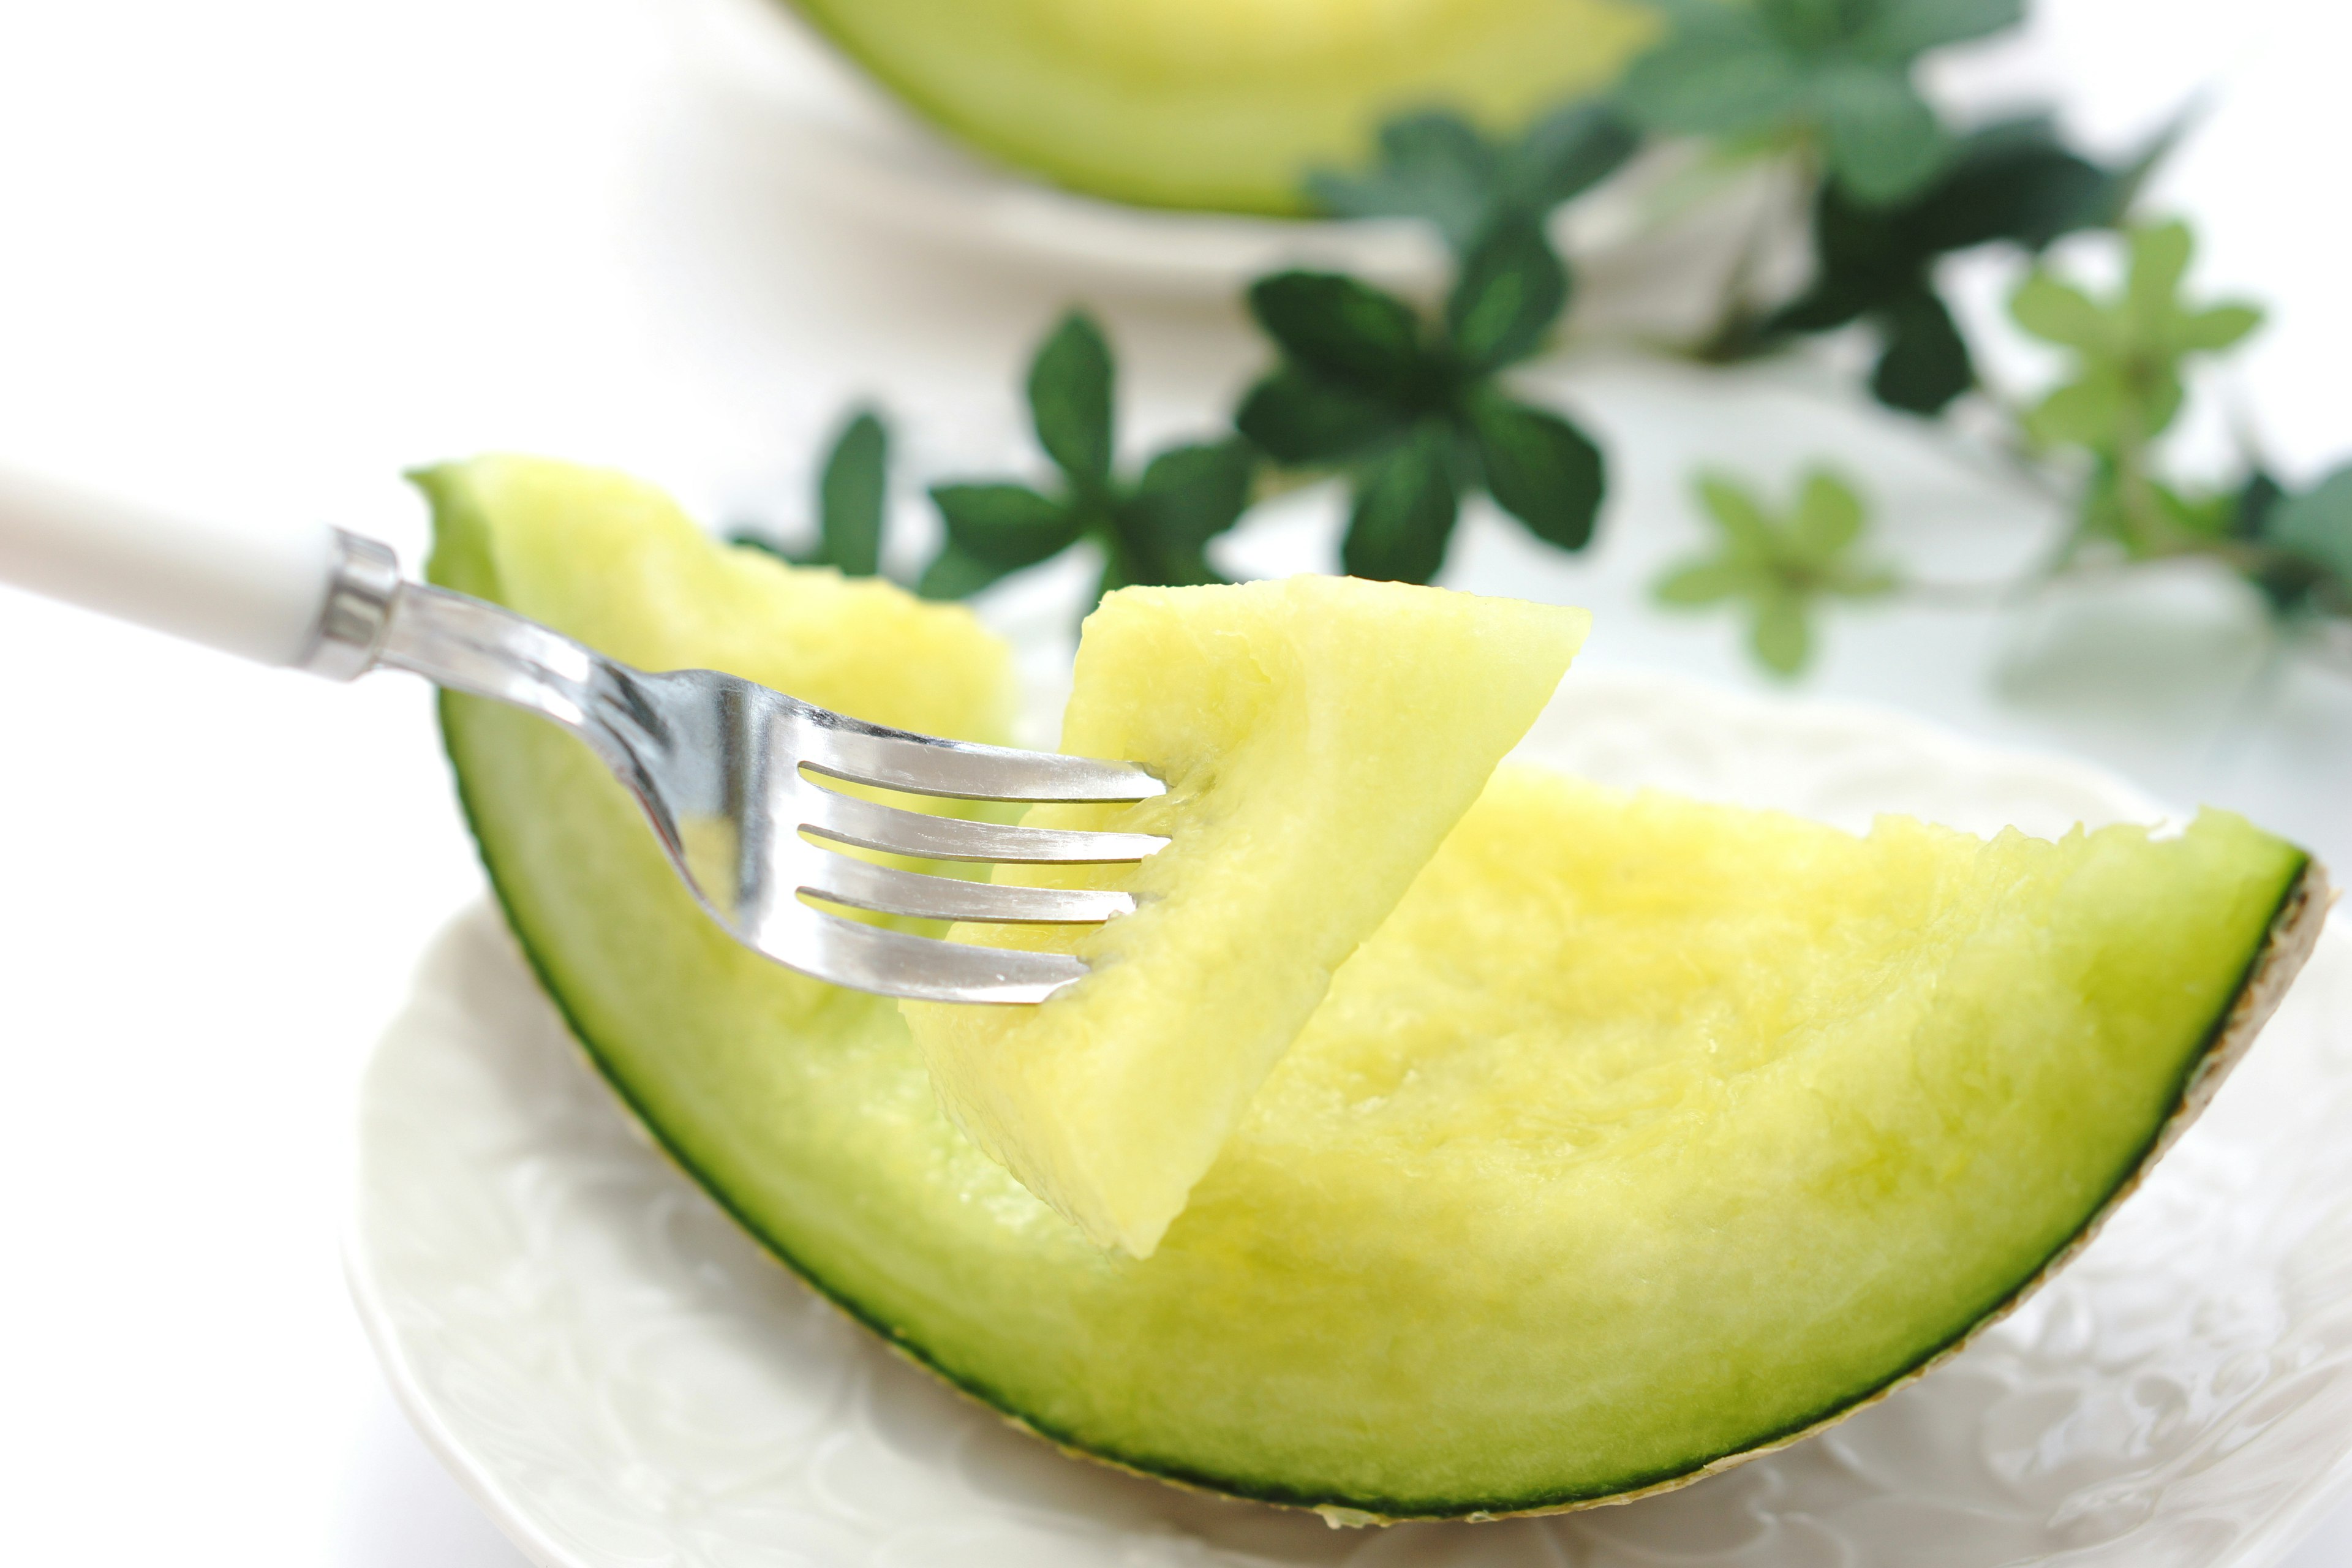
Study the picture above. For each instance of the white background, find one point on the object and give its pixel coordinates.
(265, 254)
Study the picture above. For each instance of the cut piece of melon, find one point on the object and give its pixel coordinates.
(1220, 103)
(1319, 737)
(1642, 1136)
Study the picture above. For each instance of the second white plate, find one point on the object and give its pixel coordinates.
(1644, 268)
(623, 1378)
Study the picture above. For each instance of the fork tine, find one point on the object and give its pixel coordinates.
(845, 819)
(959, 770)
(862, 885)
(896, 964)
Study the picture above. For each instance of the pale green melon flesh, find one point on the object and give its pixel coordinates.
(1643, 1133)
(1311, 772)
(1220, 103)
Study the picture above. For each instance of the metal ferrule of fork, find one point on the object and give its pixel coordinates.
(738, 783)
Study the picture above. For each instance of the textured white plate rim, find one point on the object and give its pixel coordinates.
(479, 1479)
(2281, 1528)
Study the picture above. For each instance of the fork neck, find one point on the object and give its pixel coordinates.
(468, 644)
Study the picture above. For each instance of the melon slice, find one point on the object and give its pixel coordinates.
(1311, 772)
(1220, 103)
(1644, 1135)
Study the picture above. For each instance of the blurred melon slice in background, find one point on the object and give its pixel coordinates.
(1219, 104)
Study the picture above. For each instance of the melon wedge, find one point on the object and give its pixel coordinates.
(1220, 103)
(1311, 772)
(1644, 1135)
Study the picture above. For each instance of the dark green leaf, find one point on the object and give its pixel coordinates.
(850, 496)
(1884, 141)
(1005, 526)
(2011, 181)
(1717, 72)
(2257, 498)
(1814, 27)
(1302, 420)
(1564, 154)
(955, 575)
(1924, 363)
(1187, 495)
(754, 538)
(1156, 562)
(1434, 165)
(1070, 399)
(2317, 525)
(1118, 572)
(1905, 28)
(1511, 289)
(1342, 330)
(1406, 502)
(1540, 468)
(2124, 184)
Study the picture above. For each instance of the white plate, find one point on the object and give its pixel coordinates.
(1649, 261)
(622, 1377)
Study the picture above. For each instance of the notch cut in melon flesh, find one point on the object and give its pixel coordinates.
(1642, 1136)
(1319, 736)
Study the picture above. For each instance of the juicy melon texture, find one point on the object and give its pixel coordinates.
(1318, 736)
(1221, 103)
(1642, 1132)
(611, 562)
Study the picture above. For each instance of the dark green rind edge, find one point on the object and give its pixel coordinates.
(975, 137)
(2302, 901)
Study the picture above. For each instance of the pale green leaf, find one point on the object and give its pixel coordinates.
(1707, 582)
(2091, 411)
(2058, 312)
(2207, 331)
(2159, 261)
(1829, 518)
(1739, 514)
(1781, 636)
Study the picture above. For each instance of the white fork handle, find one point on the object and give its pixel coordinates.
(256, 591)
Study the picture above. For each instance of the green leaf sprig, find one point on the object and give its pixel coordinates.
(2099, 434)
(2307, 540)
(1779, 570)
(1436, 166)
(1152, 527)
(1831, 77)
(851, 492)
(2125, 388)
(1413, 413)
(2014, 182)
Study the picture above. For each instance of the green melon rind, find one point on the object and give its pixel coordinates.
(832, 1231)
(2293, 931)
(1138, 167)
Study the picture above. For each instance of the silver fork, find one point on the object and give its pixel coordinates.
(731, 776)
